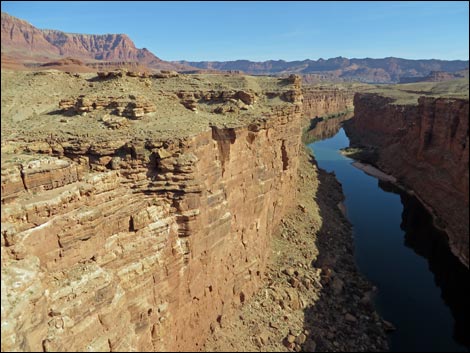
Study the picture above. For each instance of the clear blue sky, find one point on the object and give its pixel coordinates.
(266, 30)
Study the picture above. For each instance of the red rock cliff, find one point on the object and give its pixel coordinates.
(19, 38)
(320, 102)
(427, 147)
(142, 245)
(109, 47)
(25, 42)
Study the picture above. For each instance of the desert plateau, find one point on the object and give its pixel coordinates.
(211, 204)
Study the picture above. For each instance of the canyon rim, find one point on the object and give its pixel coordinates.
(175, 205)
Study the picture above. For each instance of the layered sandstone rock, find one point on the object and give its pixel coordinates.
(115, 74)
(227, 101)
(119, 243)
(321, 102)
(426, 146)
(131, 106)
(20, 38)
(165, 74)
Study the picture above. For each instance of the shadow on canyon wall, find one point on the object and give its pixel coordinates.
(450, 275)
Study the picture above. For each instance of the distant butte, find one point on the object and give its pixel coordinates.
(24, 45)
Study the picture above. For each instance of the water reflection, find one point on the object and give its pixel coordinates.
(450, 275)
(424, 296)
(322, 128)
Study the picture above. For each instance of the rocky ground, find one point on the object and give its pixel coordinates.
(314, 298)
(116, 104)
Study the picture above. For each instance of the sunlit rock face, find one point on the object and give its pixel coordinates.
(131, 244)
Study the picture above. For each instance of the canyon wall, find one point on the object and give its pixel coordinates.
(319, 102)
(142, 245)
(127, 239)
(426, 146)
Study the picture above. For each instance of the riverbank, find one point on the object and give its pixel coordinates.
(368, 169)
(314, 298)
(395, 251)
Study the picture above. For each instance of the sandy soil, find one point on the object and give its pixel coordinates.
(368, 169)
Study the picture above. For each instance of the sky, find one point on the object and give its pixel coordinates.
(266, 30)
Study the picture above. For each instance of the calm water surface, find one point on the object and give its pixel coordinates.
(423, 289)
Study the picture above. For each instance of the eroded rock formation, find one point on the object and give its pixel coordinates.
(228, 100)
(426, 146)
(119, 243)
(130, 106)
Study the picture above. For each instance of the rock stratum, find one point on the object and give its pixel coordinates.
(22, 43)
(143, 235)
(426, 146)
(323, 101)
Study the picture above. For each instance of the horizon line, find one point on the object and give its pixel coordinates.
(335, 57)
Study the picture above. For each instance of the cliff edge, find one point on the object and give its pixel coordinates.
(426, 146)
(137, 222)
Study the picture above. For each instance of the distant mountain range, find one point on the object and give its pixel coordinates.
(22, 45)
(387, 70)
(437, 76)
(25, 44)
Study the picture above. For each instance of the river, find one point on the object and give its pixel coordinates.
(422, 288)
